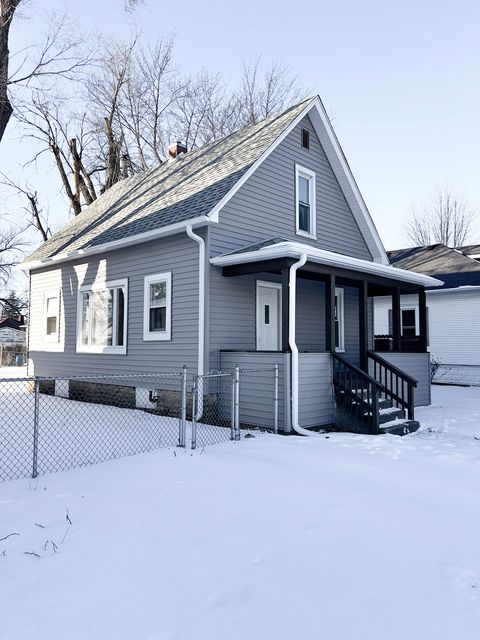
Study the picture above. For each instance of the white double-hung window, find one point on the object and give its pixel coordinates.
(102, 318)
(52, 313)
(305, 202)
(157, 310)
(339, 320)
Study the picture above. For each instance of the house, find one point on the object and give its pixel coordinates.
(12, 341)
(253, 250)
(12, 331)
(454, 333)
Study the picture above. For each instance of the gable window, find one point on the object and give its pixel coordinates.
(157, 308)
(305, 138)
(305, 201)
(339, 320)
(102, 318)
(52, 312)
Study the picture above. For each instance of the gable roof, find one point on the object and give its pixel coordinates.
(470, 250)
(11, 323)
(194, 187)
(450, 265)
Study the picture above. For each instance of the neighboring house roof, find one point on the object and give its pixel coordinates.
(10, 323)
(192, 189)
(450, 265)
(471, 250)
(280, 248)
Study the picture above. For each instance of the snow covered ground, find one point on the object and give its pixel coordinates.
(335, 536)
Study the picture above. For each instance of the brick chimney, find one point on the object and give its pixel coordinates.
(176, 149)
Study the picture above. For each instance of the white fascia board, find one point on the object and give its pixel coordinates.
(214, 213)
(343, 173)
(467, 287)
(115, 244)
(295, 249)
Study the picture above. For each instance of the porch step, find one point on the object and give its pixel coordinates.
(387, 414)
(400, 427)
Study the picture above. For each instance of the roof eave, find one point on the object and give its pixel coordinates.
(293, 250)
(169, 230)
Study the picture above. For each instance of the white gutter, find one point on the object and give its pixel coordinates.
(292, 307)
(201, 312)
(169, 230)
(329, 258)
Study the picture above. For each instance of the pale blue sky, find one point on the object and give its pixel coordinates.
(401, 80)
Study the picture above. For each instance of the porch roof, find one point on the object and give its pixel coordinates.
(279, 248)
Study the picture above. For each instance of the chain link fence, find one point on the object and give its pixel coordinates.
(52, 424)
(58, 423)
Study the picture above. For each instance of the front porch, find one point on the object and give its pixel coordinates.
(319, 327)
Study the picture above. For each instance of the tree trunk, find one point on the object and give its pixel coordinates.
(7, 9)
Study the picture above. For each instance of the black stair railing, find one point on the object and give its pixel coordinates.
(357, 393)
(396, 384)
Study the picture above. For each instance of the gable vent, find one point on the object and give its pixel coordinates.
(305, 138)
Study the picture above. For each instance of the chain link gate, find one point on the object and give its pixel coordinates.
(58, 423)
(224, 402)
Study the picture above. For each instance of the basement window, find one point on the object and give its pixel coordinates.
(102, 318)
(157, 309)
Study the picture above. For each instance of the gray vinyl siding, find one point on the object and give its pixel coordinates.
(416, 365)
(257, 389)
(315, 401)
(264, 207)
(352, 333)
(178, 254)
(233, 316)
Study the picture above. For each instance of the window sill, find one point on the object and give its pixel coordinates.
(305, 234)
(120, 351)
(157, 337)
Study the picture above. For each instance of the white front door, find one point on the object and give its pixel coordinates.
(268, 316)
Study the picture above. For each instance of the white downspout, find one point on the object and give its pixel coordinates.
(292, 308)
(201, 311)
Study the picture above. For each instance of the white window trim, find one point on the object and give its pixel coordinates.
(99, 286)
(54, 337)
(157, 335)
(278, 287)
(340, 293)
(310, 175)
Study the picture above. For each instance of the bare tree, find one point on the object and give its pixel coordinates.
(7, 11)
(35, 215)
(59, 55)
(448, 220)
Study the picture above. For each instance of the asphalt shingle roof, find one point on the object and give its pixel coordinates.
(439, 261)
(176, 191)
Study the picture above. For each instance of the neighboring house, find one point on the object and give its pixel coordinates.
(12, 331)
(453, 310)
(472, 251)
(253, 250)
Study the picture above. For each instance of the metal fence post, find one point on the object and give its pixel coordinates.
(36, 416)
(232, 423)
(237, 402)
(194, 413)
(275, 400)
(182, 435)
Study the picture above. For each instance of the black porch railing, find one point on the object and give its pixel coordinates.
(358, 394)
(396, 384)
(357, 397)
